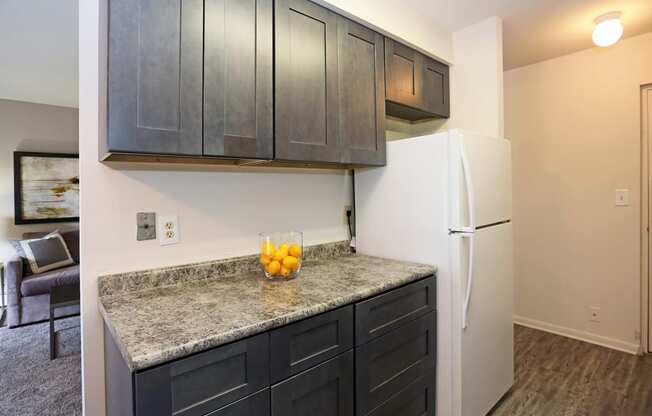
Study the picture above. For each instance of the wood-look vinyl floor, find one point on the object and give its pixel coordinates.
(559, 376)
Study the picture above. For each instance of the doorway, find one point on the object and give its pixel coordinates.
(646, 281)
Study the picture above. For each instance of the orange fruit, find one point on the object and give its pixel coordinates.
(268, 248)
(290, 262)
(265, 259)
(295, 250)
(281, 252)
(285, 272)
(273, 267)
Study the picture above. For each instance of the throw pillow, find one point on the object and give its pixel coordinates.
(27, 270)
(47, 253)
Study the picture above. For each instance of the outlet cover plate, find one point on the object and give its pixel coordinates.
(146, 222)
(168, 229)
(594, 314)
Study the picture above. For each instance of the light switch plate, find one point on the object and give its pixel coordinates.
(168, 229)
(146, 222)
(622, 197)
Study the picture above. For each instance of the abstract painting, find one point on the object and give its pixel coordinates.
(46, 187)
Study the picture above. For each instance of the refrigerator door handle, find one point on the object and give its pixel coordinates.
(469, 281)
(468, 181)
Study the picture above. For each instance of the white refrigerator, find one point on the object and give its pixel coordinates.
(445, 199)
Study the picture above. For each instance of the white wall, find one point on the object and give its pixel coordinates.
(39, 51)
(575, 126)
(221, 211)
(477, 78)
(408, 22)
(29, 127)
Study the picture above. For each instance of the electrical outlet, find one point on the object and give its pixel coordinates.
(594, 314)
(168, 229)
(349, 218)
(622, 197)
(347, 209)
(146, 223)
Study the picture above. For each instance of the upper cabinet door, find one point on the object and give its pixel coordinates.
(362, 94)
(238, 79)
(404, 81)
(417, 86)
(306, 82)
(435, 86)
(155, 76)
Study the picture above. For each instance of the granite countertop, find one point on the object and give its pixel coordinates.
(152, 325)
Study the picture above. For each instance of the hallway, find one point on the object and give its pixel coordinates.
(555, 375)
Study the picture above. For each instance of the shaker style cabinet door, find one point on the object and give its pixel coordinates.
(155, 76)
(238, 79)
(403, 78)
(362, 94)
(417, 86)
(325, 390)
(306, 82)
(435, 87)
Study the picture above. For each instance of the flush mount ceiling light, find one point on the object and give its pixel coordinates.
(608, 29)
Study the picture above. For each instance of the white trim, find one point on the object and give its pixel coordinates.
(646, 288)
(614, 344)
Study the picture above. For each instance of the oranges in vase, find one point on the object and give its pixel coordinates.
(280, 254)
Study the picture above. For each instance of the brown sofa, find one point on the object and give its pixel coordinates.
(29, 294)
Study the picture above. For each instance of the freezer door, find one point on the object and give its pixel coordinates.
(486, 352)
(480, 179)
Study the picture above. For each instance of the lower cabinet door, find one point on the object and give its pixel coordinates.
(388, 364)
(417, 399)
(326, 390)
(254, 405)
(203, 383)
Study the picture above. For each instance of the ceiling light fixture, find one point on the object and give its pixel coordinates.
(608, 29)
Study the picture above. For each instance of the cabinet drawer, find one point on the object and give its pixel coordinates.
(384, 313)
(417, 399)
(302, 345)
(389, 364)
(254, 405)
(325, 390)
(205, 382)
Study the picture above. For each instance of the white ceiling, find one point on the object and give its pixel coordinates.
(38, 51)
(536, 30)
(38, 38)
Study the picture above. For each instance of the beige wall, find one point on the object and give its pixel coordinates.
(32, 128)
(220, 211)
(575, 126)
(477, 78)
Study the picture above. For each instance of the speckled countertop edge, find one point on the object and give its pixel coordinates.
(142, 353)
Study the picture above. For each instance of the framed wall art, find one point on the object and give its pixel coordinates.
(46, 187)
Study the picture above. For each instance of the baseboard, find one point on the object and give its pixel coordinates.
(589, 337)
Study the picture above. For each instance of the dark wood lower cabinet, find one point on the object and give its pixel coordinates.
(386, 365)
(197, 385)
(330, 364)
(326, 390)
(254, 405)
(417, 399)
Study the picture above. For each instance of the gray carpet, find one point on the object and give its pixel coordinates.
(31, 384)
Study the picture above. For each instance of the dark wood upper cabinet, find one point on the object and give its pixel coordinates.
(362, 94)
(436, 97)
(417, 86)
(238, 79)
(279, 82)
(306, 82)
(155, 77)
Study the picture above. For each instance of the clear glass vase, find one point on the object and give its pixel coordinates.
(281, 254)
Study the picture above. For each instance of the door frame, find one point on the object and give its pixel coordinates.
(646, 285)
